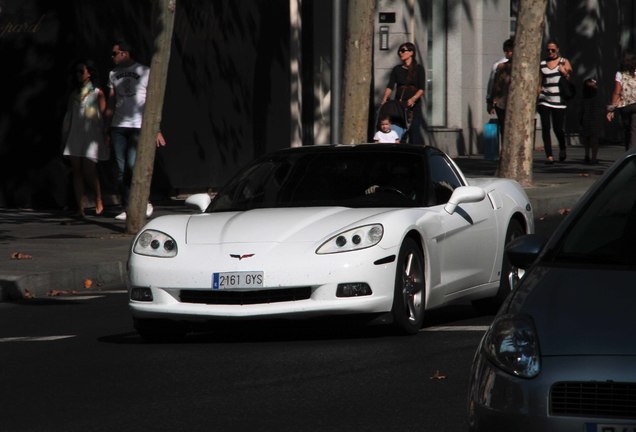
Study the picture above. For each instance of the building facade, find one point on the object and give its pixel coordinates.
(250, 76)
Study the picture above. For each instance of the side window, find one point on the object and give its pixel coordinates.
(444, 180)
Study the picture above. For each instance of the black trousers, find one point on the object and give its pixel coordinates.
(555, 118)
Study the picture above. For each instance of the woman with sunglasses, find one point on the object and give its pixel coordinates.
(409, 80)
(551, 105)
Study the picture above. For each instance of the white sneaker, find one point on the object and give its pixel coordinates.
(149, 209)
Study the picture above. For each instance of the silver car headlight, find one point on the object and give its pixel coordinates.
(156, 244)
(353, 239)
(512, 344)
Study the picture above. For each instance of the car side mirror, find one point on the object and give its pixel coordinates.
(199, 201)
(464, 194)
(524, 250)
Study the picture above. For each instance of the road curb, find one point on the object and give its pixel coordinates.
(102, 276)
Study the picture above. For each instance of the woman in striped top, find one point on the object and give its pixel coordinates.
(550, 106)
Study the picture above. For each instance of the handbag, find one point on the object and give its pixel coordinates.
(567, 90)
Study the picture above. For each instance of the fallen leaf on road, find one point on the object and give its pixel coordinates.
(564, 211)
(20, 256)
(88, 284)
(438, 376)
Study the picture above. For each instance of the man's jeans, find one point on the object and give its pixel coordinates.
(124, 141)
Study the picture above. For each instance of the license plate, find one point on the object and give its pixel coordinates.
(229, 280)
(597, 427)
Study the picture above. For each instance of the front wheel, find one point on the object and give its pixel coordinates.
(409, 293)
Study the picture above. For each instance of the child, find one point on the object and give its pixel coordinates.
(592, 120)
(386, 134)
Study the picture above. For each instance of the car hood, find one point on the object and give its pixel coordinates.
(275, 225)
(580, 311)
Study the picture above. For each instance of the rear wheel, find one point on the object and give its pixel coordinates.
(160, 330)
(408, 296)
(491, 305)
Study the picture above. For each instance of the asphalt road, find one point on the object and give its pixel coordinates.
(76, 364)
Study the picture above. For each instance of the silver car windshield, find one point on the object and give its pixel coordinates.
(349, 179)
(605, 231)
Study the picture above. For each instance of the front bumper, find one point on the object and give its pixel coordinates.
(499, 401)
(319, 274)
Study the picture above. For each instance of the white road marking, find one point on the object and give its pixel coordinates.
(455, 328)
(34, 338)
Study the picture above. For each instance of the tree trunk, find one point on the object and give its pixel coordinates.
(358, 71)
(163, 13)
(517, 147)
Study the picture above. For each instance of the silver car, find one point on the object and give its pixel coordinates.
(561, 353)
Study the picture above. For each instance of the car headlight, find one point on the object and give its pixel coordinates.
(353, 239)
(512, 344)
(155, 243)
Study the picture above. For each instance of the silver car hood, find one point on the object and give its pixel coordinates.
(580, 311)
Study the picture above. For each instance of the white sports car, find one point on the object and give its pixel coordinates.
(329, 230)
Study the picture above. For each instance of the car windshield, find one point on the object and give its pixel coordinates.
(335, 178)
(605, 231)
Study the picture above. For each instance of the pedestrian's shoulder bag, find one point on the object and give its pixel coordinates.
(567, 90)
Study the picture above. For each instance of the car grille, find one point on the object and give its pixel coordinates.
(594, 399)
(245, 297)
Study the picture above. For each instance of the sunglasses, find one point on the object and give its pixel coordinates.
(551, 50)
(403, 50)
(115, 53)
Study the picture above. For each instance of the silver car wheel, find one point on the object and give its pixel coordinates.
(408, 304)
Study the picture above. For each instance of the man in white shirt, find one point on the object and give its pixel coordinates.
(128, 83)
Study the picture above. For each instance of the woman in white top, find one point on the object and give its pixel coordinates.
(83, 134)
(551, 107)
(624, 98)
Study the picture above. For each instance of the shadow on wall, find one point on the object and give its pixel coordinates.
(227, 97)
(43, 39)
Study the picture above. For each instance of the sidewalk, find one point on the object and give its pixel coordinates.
(66, 256)
(557, 186)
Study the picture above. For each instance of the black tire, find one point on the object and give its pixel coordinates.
(491, 305)
(160, 330)
(409, 291)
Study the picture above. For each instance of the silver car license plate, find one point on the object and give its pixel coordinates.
(230, 280)
(597, 427)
